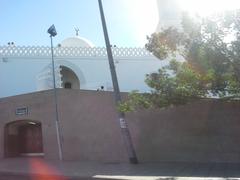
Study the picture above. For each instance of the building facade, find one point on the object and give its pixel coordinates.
(27, 113)
(205, 131)
(78, 65)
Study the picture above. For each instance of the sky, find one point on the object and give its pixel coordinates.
(25, 22)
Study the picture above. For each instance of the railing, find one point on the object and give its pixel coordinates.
(41, 51)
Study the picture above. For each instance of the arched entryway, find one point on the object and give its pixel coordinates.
(69, 78)
(23, 138)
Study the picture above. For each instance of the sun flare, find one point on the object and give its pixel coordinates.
(208, 7)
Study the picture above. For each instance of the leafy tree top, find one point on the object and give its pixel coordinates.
(210, 48)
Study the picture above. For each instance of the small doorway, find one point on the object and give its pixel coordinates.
(23, 138)
(69, 78)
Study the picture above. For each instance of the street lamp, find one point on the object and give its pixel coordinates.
(123, 124)
(52, 31)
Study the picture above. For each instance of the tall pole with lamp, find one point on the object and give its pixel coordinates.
(123, 124)
(52, 31)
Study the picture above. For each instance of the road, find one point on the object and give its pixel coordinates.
(26, 177)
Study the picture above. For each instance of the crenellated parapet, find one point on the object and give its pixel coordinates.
(41, 51)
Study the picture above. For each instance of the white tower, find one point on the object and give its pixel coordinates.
(170, 14)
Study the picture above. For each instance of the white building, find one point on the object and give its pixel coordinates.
(80, 65)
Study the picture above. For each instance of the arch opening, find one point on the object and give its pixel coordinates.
(69, 78)
(23, 138)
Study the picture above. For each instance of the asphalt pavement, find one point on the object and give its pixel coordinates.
(41, 169)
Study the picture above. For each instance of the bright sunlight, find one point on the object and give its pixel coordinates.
(208, 7)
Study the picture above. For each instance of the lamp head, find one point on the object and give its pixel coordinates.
(52, 31)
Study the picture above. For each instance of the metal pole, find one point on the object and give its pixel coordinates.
(123, 124)
(56, 106)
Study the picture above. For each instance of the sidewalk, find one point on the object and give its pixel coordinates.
(66, 170)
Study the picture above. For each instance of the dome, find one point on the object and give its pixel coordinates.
(76, 42)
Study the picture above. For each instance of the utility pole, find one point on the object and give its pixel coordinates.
(123, 124)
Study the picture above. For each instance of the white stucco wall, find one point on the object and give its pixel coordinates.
(18, 75)
(22, 73)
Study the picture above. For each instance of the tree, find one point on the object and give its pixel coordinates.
(210, 48)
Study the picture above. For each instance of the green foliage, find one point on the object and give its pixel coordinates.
(211, 67)
(135, 100)
(175, 84)
(164, 43)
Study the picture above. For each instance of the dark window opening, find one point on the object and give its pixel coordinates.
(68, 85)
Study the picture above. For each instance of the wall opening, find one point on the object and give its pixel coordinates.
(68, 85)
(69, 78)
(23, 138)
